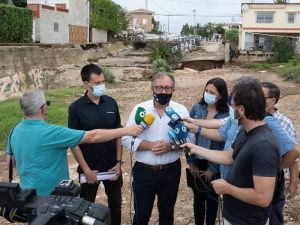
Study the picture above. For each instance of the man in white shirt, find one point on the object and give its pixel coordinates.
(157, 168)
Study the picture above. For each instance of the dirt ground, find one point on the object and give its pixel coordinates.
(189, 87)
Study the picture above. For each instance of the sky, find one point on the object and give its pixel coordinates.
(218, 11)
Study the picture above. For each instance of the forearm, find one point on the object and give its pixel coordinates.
(145, 146)
(212, 134)
(219, 157)
(288, 159)
(119, 149)
(101, 135)
(250, 196)
(294, 171)
(80, 159)
(210, 124)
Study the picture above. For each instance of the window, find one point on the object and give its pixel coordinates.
(145, 21)
(56, 27)
(291, 17)
(264, 17)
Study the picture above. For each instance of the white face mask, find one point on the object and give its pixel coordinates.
(232, 115)
(98, 90)
(210, 99)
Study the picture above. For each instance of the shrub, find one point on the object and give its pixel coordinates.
(259, 66)
(15, 24)
(284, 49)
(160, 50)
(160, 65)
(232, 36)
(291, 73)
(109, 77)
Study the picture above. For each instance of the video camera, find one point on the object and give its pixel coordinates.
(62, 207)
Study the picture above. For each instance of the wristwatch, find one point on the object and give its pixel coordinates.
(120, 161)
(173, 147)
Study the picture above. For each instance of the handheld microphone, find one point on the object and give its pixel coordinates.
(172, 136)
(139, 115)
(147, 120)
(181, 134)
(175, 118)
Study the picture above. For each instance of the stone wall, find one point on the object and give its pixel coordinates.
(28, 67)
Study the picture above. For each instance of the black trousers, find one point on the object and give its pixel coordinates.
(113, 193)
(147, 183)
(205, 198)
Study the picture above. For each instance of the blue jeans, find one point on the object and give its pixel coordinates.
(146, 184)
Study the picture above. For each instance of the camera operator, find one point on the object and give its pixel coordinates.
(39, 148)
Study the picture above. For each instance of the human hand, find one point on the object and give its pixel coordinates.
(134, 130)
(117, 168)
(207, 174)
(160, 147)
(91, 176)
(192, 127)
(220, 186)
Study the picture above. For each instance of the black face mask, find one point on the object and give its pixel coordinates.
(162, 99)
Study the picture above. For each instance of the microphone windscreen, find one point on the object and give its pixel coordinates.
(181, 131)
(172, 114)
(139, 115)
(172, 134)
(149, 119)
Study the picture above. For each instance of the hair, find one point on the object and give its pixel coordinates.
(31, 102)
(88, 70)
(220, 85)
(248, 92)
(160, 75)
(274, 90)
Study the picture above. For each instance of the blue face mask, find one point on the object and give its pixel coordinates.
(210, 99)
(232, 115)
(98, 90)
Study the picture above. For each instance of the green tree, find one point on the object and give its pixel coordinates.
(3, 2)
(160, 50)
(232, 36)
(186, 30)
(284, 49)
(20, 3)
(107, 15)
(156, 31)
(220, 30)
(207, 30)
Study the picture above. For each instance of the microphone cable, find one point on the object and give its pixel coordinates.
(130, 179)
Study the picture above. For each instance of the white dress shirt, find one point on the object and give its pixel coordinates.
(157, 131)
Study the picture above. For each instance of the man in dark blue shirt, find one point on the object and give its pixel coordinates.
(95, 110)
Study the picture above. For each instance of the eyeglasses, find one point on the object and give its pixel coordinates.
(160, 89)
(48, 103)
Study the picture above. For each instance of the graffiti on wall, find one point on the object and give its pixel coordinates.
(16, 84)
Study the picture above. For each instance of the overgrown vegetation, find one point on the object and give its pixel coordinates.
(291, 70)
(107, 15)
(160, 50)
(10, 113)
(284, 49)
(15, 24)
(109, 77)
(160, 65)
(259, 66)
(207, 30)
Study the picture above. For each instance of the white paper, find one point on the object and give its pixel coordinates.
(100, 176)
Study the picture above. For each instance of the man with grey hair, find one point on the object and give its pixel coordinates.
(157, 168)
(39, 148)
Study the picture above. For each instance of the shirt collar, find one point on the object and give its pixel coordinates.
(87, 100)
(33, 122)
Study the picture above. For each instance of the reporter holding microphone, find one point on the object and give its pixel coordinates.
(157, 168)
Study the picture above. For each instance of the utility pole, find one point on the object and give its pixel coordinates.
(168, 24)
(194, 20)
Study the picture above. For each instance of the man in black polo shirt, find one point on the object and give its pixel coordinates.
(95, 110)
(254, 158)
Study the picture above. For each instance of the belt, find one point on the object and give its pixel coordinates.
(159, 167)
